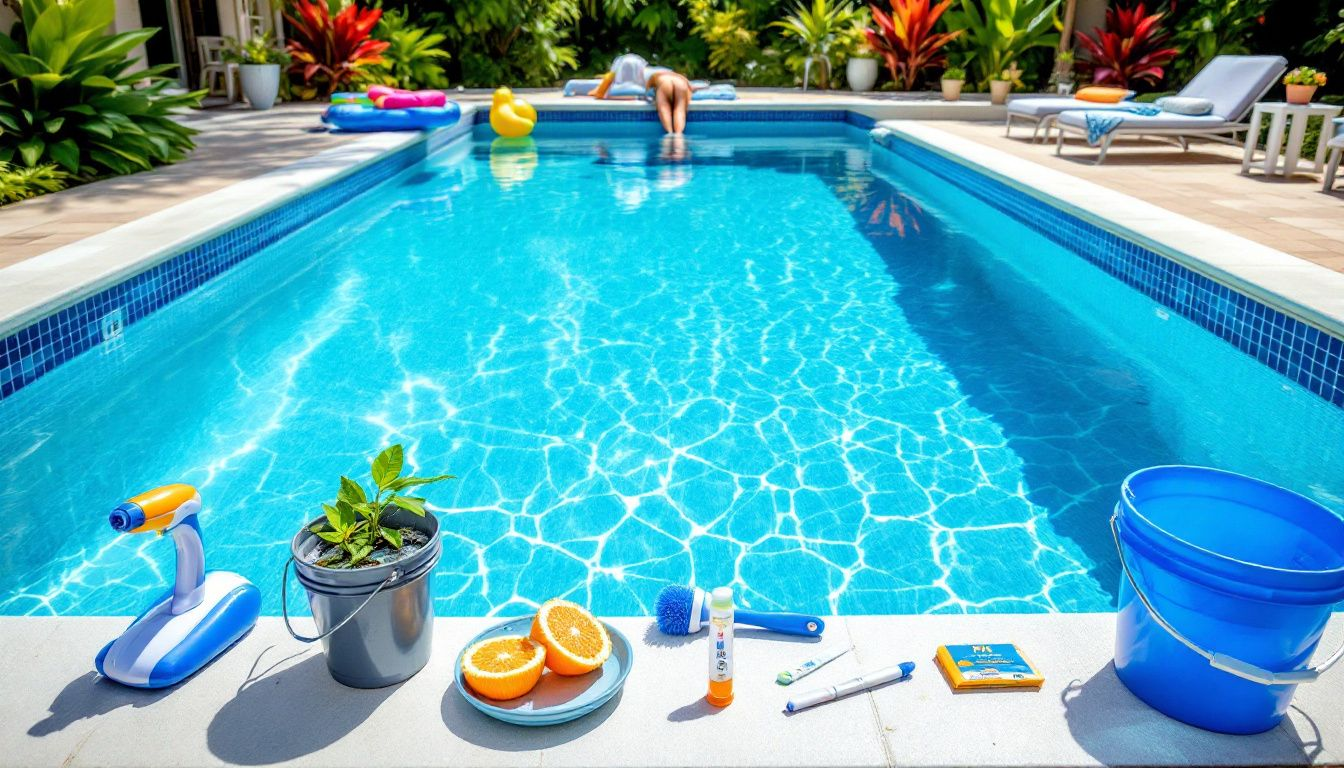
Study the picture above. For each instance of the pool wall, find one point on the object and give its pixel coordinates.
(1304, 353)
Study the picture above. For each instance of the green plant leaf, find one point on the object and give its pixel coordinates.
(345, 515)
(411, 481)
(351, 491)
(31, 150)
(393, 537)
(65, 152)
(53, 125)
(365, 510)
(410, 504)
(331, 536)
(387, 466)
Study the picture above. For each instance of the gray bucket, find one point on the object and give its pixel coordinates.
(376, 624)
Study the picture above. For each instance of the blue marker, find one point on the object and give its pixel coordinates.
(853, 685)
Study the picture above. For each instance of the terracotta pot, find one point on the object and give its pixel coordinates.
(1300, 94)
(998, 91)
(952, 89)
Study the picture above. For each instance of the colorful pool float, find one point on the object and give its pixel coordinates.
(360, 118)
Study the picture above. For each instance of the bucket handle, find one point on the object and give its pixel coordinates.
(284, 604)
(1229, 664)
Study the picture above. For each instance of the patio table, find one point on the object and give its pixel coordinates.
(1291, 118)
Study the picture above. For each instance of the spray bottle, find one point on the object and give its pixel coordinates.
(721, 647)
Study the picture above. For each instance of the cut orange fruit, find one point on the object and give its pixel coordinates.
(503, 667)
(576, 642)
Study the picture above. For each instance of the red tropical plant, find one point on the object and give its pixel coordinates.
(1131, 49)
(906, 41)
(330, 51)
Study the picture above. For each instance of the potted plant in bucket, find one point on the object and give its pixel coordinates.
(367, 565)
(1302, 83)
(259, 61)
(953, 79)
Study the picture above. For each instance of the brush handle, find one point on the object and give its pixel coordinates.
(784, 623)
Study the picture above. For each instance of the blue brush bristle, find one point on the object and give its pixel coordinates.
(673, 609)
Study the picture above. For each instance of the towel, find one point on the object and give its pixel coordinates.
(1100, 124)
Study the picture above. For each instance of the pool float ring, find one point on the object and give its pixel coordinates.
(199, 618)
(396, 98)
(511, 117)
(358, 118)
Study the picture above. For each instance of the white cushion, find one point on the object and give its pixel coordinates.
(1185, 105)
(1076, 119)
(1051, 105)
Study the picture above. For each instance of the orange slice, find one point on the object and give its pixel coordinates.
(576, 642)
(503, 667)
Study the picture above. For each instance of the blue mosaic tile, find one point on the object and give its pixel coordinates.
(693, 116)
(1302, 353)
(31, 352)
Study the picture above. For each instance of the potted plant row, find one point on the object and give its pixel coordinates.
(367, 565)
(259, 61)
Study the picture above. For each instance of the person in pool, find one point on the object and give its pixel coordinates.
(672, 96)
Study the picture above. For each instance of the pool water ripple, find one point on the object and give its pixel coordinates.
(760, 363)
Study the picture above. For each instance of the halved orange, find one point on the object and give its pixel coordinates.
(576, 642)
(504, 667)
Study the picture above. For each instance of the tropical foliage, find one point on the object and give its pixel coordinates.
(258, 50)
(906, 39)
(1132, 49)
(823, 33)
(1213, 27)
(331, 52)
(69, 95)
(514, 42)
(413, 58)
(1000, 32)
(354, 522)
(20, 183)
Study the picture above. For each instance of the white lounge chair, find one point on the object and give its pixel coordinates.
(1234, 85)
(1336, 147)
(1041, 112)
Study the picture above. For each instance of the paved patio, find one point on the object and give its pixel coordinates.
(233, 145)
(1205, 183)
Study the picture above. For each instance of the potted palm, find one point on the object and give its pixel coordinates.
(1062, 76)
(817, 31)
(367, 565)
(1302, 83)
(259, 61)
(953, 79)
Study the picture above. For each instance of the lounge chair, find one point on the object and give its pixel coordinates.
(1041, 111)
(1233, 87)
(1336, 147)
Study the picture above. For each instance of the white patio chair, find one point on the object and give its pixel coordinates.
(214, 67)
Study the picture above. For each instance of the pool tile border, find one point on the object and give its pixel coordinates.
(1305, 354)
(1308, 355)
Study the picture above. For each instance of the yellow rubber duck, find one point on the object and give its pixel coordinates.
(511, 117)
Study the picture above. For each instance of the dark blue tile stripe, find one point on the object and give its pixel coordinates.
(31, 352)
(695, 116)
(1303, 353)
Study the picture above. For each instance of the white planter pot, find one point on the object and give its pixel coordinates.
(998, 91)
(261, 84)
(861, 73)
(952, 89)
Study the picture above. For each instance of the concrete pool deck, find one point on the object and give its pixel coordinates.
(270, 701)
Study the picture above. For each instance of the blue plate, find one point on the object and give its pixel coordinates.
(556, 699)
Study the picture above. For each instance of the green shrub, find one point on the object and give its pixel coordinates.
(825, 32)
(1000, 32)
(20, 183)
(413, 58)
(68, 95)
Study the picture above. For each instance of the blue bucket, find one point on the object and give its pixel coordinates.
(1227, 584)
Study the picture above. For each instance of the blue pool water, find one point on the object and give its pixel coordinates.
(792, 364)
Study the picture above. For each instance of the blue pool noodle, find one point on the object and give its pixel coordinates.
(676, 602)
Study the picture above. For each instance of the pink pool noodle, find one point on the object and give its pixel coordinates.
(406, 100)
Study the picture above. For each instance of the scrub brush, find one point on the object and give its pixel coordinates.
(684, 610)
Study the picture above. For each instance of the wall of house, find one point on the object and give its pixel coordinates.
(1091, 14)
(126, 20)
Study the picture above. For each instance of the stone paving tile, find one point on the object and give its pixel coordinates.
(1205, 183)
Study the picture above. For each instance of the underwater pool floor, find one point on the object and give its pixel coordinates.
(747, 361)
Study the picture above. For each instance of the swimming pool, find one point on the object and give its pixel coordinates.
(776, 357)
